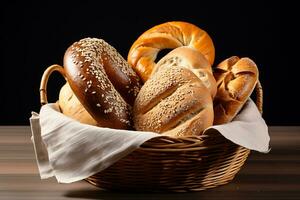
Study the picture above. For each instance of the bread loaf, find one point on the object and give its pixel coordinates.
(236, 79)
(193, 60)
(71, 107)
(102, 81)
(175, 102)
(168, 35)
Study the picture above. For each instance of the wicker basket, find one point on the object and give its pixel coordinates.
(172, 164)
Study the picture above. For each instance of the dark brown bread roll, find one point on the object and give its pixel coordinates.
(102, 81)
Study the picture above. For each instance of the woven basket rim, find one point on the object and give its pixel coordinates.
(191, 143)
(163, 143)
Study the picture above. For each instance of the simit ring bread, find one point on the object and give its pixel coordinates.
(71, 107)
(174, 102)
(168, 35)
(236, 80)
(102, 81)
(193, 60)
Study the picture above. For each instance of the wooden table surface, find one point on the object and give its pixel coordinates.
(275, 175)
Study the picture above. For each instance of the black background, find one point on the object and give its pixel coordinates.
(35, 35)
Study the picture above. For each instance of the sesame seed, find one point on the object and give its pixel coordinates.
(89, 51)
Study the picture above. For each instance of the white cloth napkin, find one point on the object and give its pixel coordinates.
(73, 151)
(247, 129)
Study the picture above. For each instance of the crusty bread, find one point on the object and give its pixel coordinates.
(102, 81)
(175, 102)
(192, 59)
(71, 107)
(236, 79)
(169, 35)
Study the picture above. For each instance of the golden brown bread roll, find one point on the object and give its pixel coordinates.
(236, 80)
(102, 81)
(168, 35)
(193, 60)
(175, 102)
(71, 107)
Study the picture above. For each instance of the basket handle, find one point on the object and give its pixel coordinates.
(44, 81)
(259, 96)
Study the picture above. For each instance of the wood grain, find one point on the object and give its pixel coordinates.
(275, 175)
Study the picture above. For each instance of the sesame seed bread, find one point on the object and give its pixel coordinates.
(174, 102)
(70, 106)
(102, 81)
(236, 79)
(193, 60)
(169, 35)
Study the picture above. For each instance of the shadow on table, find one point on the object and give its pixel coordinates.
(203, 195)
(116, 195)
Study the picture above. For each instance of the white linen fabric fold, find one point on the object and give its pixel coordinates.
(73, 151)
(247, 129)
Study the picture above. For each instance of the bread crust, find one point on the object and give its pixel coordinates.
(236, 79)
(193, 60)
(173, 102)
(169, 35)
(102, 81)
(70, 106)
